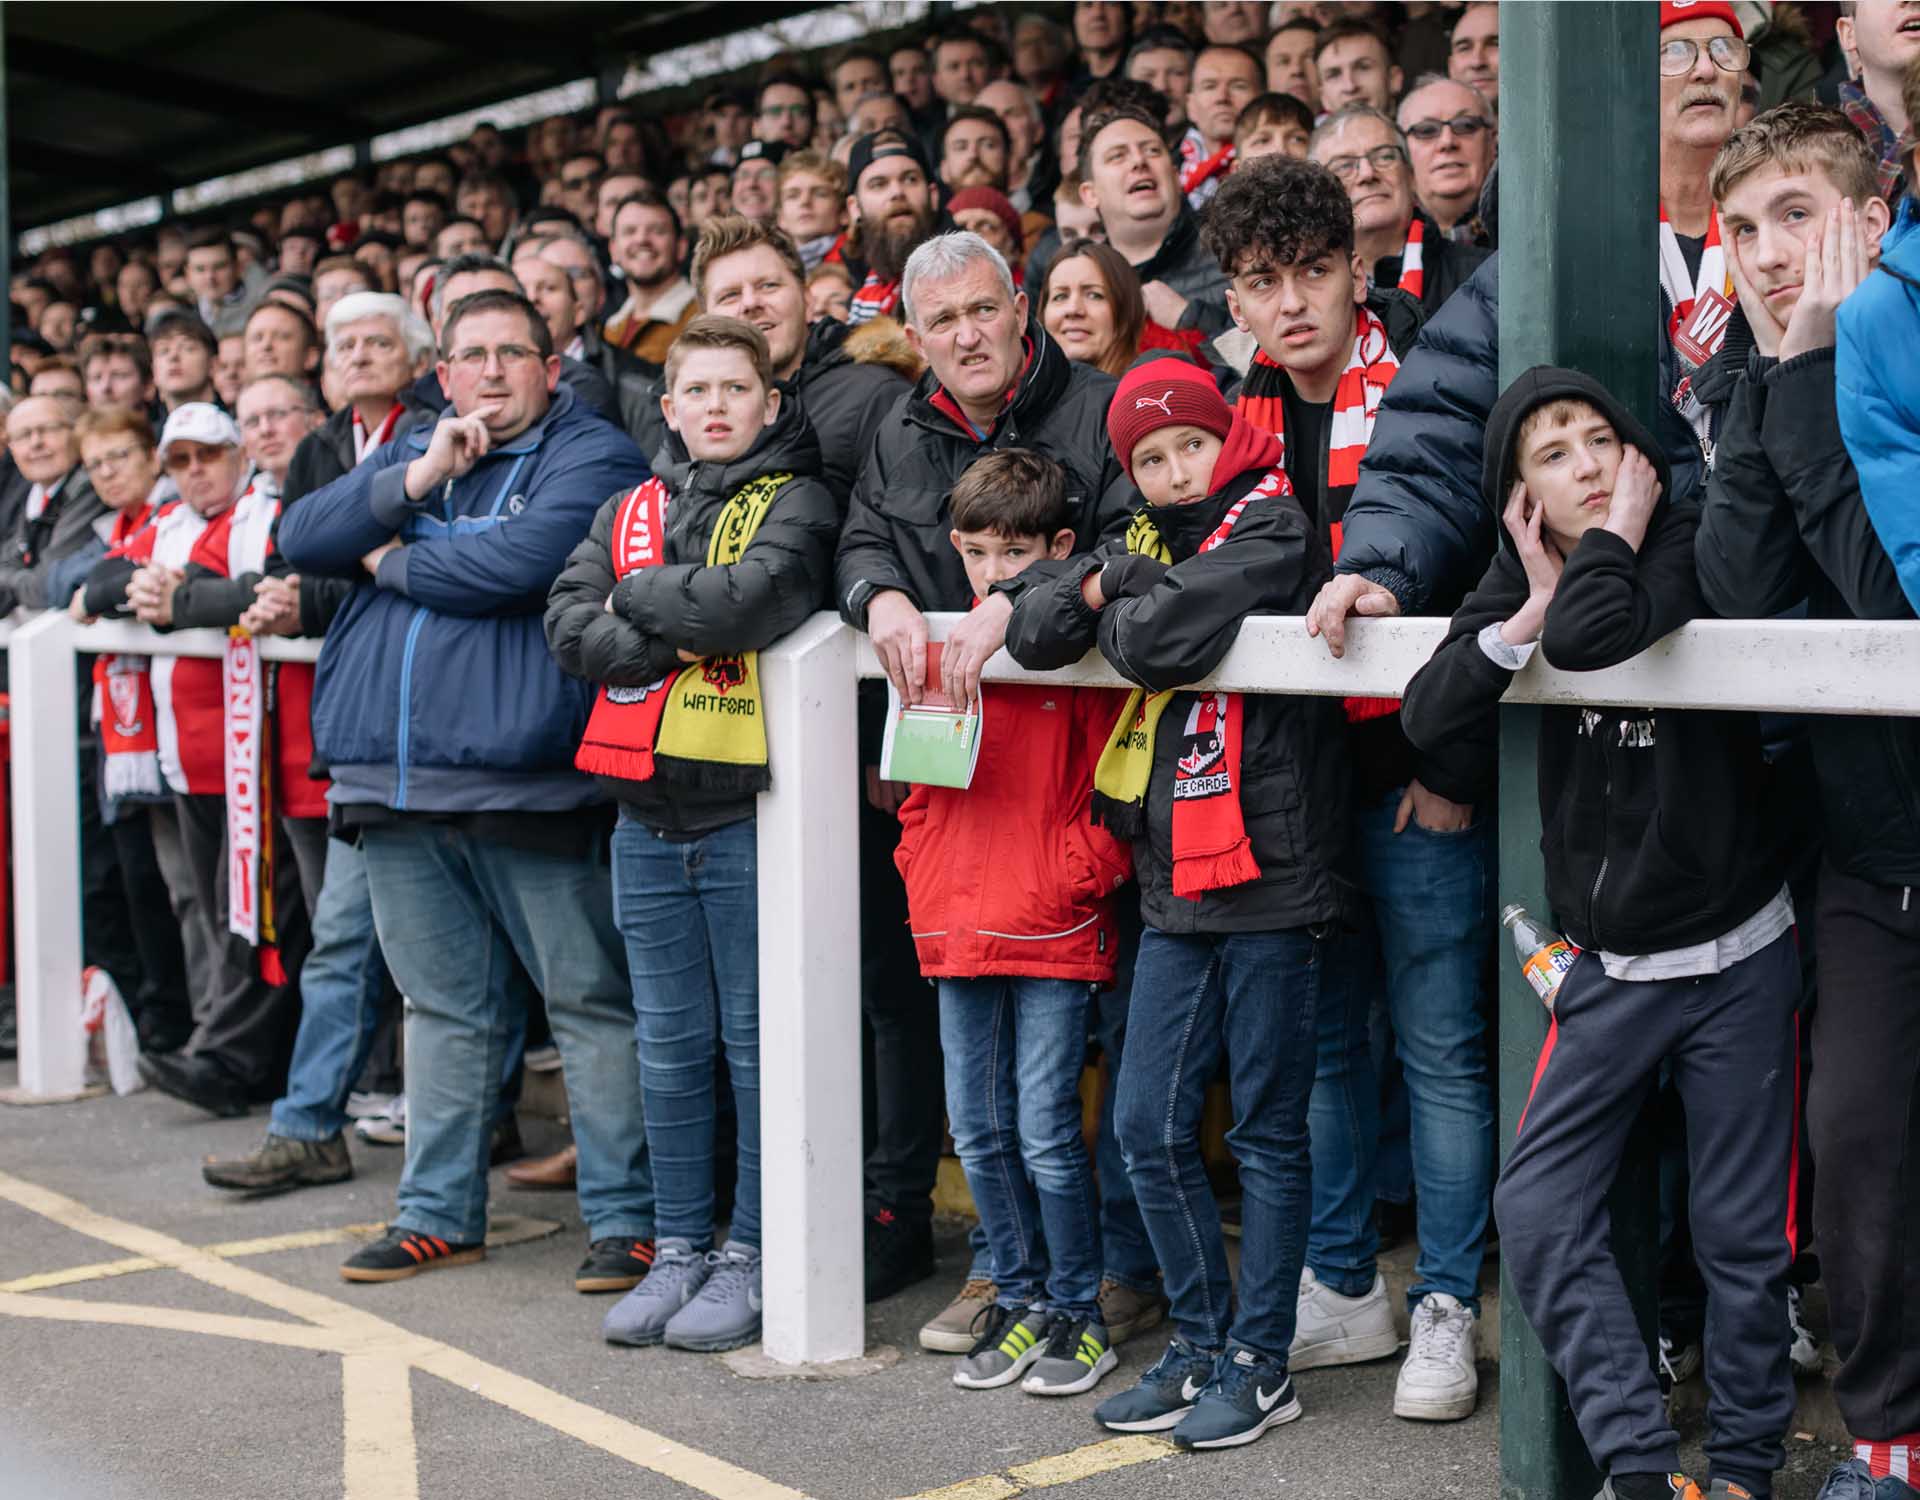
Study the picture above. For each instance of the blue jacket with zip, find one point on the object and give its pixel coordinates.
(435, 690)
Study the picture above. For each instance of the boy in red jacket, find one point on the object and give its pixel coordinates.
(1009, 888)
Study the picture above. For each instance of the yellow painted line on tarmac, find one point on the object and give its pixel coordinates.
(378, 1358)
(376, 1449)
(299, 1239)
(380, 1456)
(1062, 1468)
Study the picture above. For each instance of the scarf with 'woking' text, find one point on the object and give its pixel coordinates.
(123, 695)
(1356, 404)
(701, 727)
(1211, 849)
(1701, 310)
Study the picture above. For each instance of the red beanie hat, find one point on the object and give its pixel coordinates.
(1673, 12)
(995, 203)
(1165, 392)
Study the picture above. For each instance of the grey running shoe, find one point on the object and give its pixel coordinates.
(726, 1314)
(281, 1163)
(1077, 1355)
(1010, 1339)
(640, 1318)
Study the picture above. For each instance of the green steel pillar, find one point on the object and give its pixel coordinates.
(1579, 190)
(6, 210)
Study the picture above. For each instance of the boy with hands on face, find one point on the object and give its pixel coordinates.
(1663, 866)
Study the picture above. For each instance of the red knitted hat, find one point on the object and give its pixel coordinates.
(1673, 12)
(1163, 393)
(994, 202)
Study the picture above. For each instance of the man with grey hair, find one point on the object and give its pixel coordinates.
(377, 346)
(1450, 133)
(995, 379)
(1397, 243)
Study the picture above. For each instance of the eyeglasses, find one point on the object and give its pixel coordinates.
(510, 356)
(271, 417)
(184, 456)
(1466, 127)
(45, 431)
(1380, 158)
(1677, 57)
(113, 458)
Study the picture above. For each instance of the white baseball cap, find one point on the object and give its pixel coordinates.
(199, 422)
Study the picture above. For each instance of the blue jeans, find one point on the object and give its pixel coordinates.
(1014, 1050)
(1125, 1250)
(342, 990)
(690, 915)
(453, 912)
(1430, 903)
(1250, 996)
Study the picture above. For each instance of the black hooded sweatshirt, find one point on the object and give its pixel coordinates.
(780, 579)
(1655, 824)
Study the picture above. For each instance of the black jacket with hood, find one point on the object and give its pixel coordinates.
(780, 579)
(1295, 794)
(1656, 829)
(1783, 526)
(897, 524)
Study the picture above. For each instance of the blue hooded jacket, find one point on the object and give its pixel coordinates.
(1877, 371)
(435, 690)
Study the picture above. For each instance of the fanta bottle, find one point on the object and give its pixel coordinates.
(1545, 956)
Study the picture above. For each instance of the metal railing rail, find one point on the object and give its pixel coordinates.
(809, 862)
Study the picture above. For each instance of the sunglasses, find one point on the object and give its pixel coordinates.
(184, 456)
(1464, 126)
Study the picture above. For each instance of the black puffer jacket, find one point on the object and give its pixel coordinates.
(684, 604)
(1295, 793)
(1418, 523)
(1655, 827)
(1784, 525)
(897, 525)
(1184, 263)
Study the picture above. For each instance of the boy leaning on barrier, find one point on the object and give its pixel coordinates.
(1662, 865)
(666, 604)
(1237, 806)
(1785, 525)
(1010, 894)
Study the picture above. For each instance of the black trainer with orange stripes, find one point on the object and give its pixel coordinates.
(400, 1253)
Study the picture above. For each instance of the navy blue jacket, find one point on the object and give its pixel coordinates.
(1418, 523)
(435, 690)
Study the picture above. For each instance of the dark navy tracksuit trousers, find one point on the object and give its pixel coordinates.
(1730, 1040)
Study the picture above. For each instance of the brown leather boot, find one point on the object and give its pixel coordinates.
(553, 1174)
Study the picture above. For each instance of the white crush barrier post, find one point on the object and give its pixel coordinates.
(43, 718)
(813, 1269)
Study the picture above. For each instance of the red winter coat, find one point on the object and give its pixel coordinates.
(1009, 877)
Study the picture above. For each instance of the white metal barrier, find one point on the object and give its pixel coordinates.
(809, 859)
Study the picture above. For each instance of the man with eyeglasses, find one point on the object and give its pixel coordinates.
(1397, 243)
(783, 112)
(1450, 135)
(482, 843)
(1702, 56)
(58, 511)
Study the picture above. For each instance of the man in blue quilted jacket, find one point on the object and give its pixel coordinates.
(449, 734)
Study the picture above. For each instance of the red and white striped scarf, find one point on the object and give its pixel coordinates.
(363, 443)
(1197, 172)
(1356, 405)
(1682, 293)
(1413, 272)
(875, 299)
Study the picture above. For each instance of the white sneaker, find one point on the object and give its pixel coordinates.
(1330, 1329)
(1804, 1350)
(388, 1129)
(1438, 1382)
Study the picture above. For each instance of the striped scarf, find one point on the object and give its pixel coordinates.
(1413, 274)
(875, 299)
(1711, 293)
(1356, 405)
